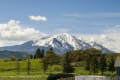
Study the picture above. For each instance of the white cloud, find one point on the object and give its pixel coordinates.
(38, 18)
(13, 33)
(109, 38)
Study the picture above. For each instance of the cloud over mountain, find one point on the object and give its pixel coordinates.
(12, 32)
(109, 39)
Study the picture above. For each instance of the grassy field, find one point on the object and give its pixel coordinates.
(8, 70)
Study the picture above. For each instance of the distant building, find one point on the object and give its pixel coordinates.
(117, 65)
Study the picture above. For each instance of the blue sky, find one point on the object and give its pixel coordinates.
(73, 16)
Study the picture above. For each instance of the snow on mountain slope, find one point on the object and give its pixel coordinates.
(60, 44)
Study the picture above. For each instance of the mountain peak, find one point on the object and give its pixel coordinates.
(63, 42)
(60, 44)
(66, 35)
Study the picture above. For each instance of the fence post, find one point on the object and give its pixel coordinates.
(17, 67)
(28, 65)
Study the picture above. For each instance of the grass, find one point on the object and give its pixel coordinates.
(81, 71)
(8, 70)
(22, 78)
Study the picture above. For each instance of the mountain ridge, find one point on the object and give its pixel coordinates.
(60, 44)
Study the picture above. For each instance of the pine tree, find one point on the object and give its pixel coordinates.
(39, 53)
(43, 53)
(111, 65)
(50, 58)
(95, 64)
(87, 67)
(91, 59)
(31, 56)
(67, 68)
(103, 64)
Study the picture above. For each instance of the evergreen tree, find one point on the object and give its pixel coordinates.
(103, 64)
(91, 59)
(87, 66)
(31, 56)
(38, 53)
(50, 58)
(95, 64)
(43, 53)
(67, 68)
(111, 65)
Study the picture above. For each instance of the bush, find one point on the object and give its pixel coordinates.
(59, 76)
(56, 68)
(70, 78)
(13, 58)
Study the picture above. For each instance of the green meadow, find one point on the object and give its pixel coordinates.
(9, 70)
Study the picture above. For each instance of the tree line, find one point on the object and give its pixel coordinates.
(94, 60)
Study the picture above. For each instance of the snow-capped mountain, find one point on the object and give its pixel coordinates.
(60, 43)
